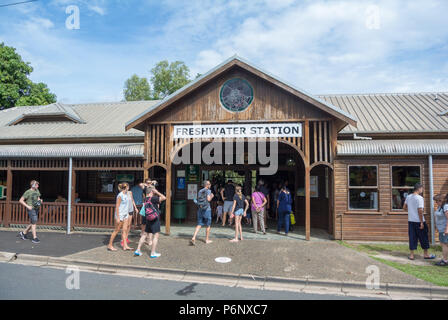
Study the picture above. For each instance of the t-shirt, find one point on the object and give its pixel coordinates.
(239, 202)
(229, 191)
(414, 202)
(285, 201)
(137, 192)
(124, 204)
(259, 198)
(31, 196)
(441, 218)
(264, 190)
(205, 192)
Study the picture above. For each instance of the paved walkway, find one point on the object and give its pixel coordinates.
(281, 258)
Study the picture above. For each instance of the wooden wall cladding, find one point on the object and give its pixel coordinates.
(270, 103)
(383, 224)
(440, 173)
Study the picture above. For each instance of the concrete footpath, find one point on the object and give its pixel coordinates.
(316, 266)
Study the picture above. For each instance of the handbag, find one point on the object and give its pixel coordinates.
(293, 218)
(142, 211)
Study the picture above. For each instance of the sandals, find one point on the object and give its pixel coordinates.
(430, 257)
(192, 242)
(442, 263)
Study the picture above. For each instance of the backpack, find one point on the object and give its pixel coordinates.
(151, 213)
(202, 201)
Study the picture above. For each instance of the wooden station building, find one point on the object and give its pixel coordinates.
(350, 160)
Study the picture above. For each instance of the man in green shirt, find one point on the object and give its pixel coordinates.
(31, 201)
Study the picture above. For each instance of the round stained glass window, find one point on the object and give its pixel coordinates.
(236, 95)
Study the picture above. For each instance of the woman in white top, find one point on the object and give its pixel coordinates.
(442, 226)
(132, 208)
(121, 217)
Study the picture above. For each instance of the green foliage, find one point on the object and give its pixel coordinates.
(16, 89)
(168, 78)
(136, 89)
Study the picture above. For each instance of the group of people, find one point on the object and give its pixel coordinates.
(236, 205)
(126, 208)
(263, 203)
(232, 203)
(418, 228)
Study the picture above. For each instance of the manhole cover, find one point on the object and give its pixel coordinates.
(223, 260)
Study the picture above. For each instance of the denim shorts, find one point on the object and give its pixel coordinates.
(204, 217)
(443, 238)
(239, 212)
(33, 216)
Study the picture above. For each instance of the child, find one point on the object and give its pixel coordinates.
(219, 211)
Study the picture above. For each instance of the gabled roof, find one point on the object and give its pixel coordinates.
(394, 112)
(226, 65)
(45, 112)
(100, 120)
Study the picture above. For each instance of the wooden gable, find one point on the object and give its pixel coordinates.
(270, 103)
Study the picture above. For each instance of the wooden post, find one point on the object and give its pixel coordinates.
(168, 129)
(73, 191)
(7, 217)
(307, 181)
(146, 154)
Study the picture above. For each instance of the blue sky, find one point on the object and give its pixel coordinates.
(321, 46)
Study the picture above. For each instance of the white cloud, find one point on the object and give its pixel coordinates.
(97, 9)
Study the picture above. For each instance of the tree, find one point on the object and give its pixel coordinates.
(168, 77)
(136, 88)
(15, 85)
(37, 94)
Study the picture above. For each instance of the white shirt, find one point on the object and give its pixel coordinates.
(414, 202)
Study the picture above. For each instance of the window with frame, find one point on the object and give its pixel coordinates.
(403, 180)
(363, 187)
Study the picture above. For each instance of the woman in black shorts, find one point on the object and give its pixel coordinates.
(152, 228)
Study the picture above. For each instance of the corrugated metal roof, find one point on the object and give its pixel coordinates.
(394, 112)
(391, 147)
(100, 120)
(106, 150)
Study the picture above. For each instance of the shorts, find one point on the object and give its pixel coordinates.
(204, 217)
(418, 235)
(239, 212)
(131, 213)
(152, 226)
(123, 216)
(227, 206)
(33, 215)
(443, 238)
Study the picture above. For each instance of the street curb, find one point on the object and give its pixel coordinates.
(305, 285)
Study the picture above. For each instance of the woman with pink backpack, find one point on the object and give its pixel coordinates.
(259, 202)
(151, 213)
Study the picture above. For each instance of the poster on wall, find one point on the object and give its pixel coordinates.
(193, 172)
(192, 191)
(181, 173)
(180, 183)
(314, 187)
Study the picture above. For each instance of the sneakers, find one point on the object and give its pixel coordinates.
(155, 255)
(35, 240)
(22, 235)
(137, 253)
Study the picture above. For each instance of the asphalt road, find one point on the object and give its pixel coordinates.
(30, 282)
